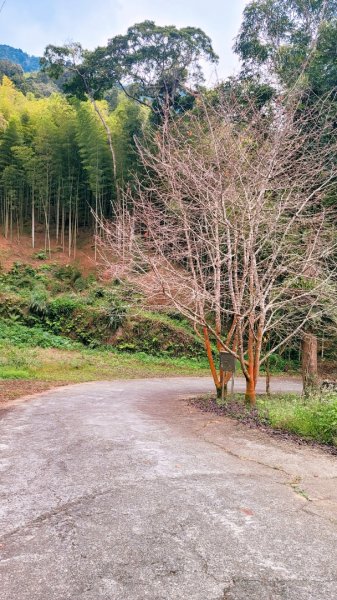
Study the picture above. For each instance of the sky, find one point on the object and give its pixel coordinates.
(33, 24)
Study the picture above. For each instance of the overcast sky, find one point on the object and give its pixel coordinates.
(32, 24)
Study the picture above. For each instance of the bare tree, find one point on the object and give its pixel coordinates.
(232, 221)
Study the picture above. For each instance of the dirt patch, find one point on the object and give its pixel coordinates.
(252, 419)
(328, 370)
(20, 250)
(12, 389)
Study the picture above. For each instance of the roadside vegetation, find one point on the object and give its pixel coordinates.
(312, 418)
(82, 364)
(57, 325)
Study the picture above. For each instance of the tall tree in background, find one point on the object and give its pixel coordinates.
(156, 66)
(290, 39)
(160, 66)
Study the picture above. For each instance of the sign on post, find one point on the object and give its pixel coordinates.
(227, 362)
(227, 365)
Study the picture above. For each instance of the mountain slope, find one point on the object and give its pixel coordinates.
(17, 56)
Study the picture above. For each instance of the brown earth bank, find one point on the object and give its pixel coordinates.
(20, 250)
(12, 389)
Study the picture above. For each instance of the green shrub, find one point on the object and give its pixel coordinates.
(313, 418)
(41, 255)
(157, 335)
(12, 306)
(116, 314)
(281, 364)
(17, 334)
(71, 317)
(38, 303)
(67, 273)
(63, 306)
(80, 284)
(20, 277)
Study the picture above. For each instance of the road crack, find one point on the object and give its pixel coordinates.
(59, 510)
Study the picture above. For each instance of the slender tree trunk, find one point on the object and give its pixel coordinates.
(11, 220)
(70, 230)
(33, 218)
(58, 214)
(250, 379)
(63, 227)
(268, 377)
(211, 360)
(7, 219)
(75, 227)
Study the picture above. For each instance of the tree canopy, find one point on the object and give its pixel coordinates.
(290, 38)
(157, 66)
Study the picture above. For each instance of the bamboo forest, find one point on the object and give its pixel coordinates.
(56, 168)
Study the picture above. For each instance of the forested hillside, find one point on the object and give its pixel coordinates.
(65, 158)
(18, 57)
(55, 163)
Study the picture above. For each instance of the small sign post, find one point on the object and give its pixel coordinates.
(227, 365)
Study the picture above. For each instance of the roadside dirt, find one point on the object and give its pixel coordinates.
(20, 250)
(12, 389)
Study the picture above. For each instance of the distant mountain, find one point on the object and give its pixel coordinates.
(17, 56)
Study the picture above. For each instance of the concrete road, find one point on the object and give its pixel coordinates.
(122, 491)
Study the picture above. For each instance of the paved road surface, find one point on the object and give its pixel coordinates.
(122, 491)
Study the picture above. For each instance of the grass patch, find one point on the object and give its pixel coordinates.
(21, 335)
(14, 373)
(76, 366)
(313, 418)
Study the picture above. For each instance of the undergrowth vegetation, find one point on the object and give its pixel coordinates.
(84, 364)
(57, 307)
(307, 417)
(313, 417)
(58, 326)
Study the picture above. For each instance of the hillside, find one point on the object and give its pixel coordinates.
(28, 63)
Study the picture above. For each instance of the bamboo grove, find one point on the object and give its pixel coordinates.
(56, 168)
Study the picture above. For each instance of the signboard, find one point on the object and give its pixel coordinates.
(227, 362)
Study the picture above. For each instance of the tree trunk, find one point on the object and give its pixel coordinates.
(211, 361)
(250, 395)
(309, 363)
(268, 377)
(33, 218)
(252, 370)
